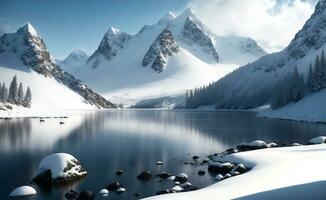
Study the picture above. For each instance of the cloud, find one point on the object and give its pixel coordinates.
(273, 23)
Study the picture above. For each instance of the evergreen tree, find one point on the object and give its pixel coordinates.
(20, 97)
(28, 97)
(297, 85)
(309, 84)
(13, 94)
(1, 93)
(323, 70)
(318, 76)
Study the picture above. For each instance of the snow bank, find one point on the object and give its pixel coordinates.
(62, 166)
(318, 140)
(287, 172)
(310, 108)
(23, 191)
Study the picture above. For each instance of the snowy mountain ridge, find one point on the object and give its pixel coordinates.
(254, 84)
(180, 49)
(73, 61)
(25, 51)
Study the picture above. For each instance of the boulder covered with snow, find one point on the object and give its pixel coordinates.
(181, 177)
(219, 167)
(257, 144)
(59, 167)
(318, 140)
(23, 191)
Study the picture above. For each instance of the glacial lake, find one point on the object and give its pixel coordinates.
(132, 140)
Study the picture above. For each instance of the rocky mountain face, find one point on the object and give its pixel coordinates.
(193, 34)
(113, 41)
(29, 47)
(312, 36)
(188, 32)
(163, 47)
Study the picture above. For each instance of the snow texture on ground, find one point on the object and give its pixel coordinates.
(311, 108)
(277, 173)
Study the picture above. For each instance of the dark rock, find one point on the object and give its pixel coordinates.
(145, 175)
(182, 178)
(119, 172)
(195, 157)
(254, 145)
(86, 195)
(114, 186)
(240, 168)
(218, 167)
(43, 178)
(201, 172)
(72, 194)
(137, 194)
(159, 163)
(163, 175)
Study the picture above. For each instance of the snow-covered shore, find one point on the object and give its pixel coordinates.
(278, 173)
(311, 109)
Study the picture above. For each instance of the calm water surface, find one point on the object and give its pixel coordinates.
(132, 140)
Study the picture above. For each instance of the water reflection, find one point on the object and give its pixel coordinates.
(132, 140)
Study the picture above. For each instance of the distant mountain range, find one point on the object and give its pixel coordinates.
(73, 61)
(175, 54)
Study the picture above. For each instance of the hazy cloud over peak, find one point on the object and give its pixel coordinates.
(271, 22)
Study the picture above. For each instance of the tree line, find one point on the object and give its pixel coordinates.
(15, 94)
(291, 88)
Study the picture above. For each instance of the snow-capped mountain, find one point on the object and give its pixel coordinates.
(24, 54)
(251, 85)
(175, 54)
(73, 61)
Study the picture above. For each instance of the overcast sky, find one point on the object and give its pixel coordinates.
(66, 25)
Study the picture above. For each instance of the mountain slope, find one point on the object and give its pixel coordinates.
(251, 85)
(309, 109)
(175, 54)
(73, 61)
(24, 54)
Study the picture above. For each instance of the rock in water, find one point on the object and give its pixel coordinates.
(59, 167)
(177, 189)
(257, 144)
(121, 190)
(201, 172)
(104, 192)
(159, 163)
(119, 172)
(114, 186)
(72, 194)
(318, 140)
(86, 195)
(182, 178)
(218, 177)
(163, 175)
(23, 191)
(219, 167)
(145, 175)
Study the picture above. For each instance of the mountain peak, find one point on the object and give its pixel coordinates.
(169, 16)
(28, 28)
(112, 31)
(78, 53)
